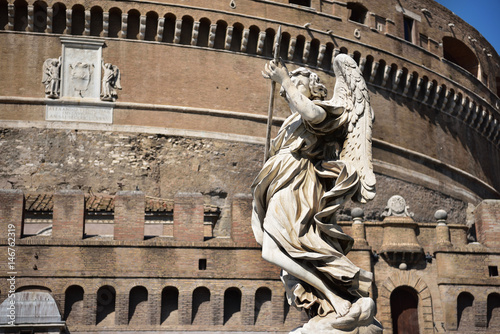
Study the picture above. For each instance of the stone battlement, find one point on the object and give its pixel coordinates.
(127, 216)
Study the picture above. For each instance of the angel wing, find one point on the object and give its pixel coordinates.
(351, 92)
(46, 77)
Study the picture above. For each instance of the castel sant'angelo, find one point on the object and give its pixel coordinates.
(131, 132)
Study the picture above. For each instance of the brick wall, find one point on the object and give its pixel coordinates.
(129, 215)
(188, 217)
(487, 216)
(11, 212)
(68, 216)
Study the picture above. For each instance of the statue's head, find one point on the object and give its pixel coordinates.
(316, 89)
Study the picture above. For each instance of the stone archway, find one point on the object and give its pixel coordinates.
(409, 279)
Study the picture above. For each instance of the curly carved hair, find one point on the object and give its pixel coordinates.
(318, 90)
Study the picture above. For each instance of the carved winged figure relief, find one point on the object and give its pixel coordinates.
(52, 77)
(320, 159)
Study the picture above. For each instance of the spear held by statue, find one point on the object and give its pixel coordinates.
(277, 41)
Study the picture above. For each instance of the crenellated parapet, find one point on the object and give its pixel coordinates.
(71, 215)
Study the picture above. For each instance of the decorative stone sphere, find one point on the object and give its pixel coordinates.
(441, 215)
(357, 213)
(403, 266)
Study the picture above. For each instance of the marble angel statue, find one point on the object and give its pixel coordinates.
(52, 77)
(110, 82)
(320, 159)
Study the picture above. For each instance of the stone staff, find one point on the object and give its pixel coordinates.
(277, 40)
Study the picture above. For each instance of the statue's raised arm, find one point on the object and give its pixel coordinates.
(319, 160)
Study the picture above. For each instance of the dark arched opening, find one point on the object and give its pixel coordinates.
(151, 26)
(404, 311)
(203, 32)
(263, 306)
(253, 39)
(106, 298)
(202, 312)
(186, 30)
(493, 311)
(220, 35)
(115, 22)
(269, 42)
(39, 16)
(133, 24)
(4, 14)
(232, 306)
(237, 36)
(20, 15)
(312, 59)
(73, 304)
(77, 20)
(299, 49)
(138, 306)
(96, 21)
(459, 53)
(465, 311)
(58, 18)
(169, 305)
(169, 28)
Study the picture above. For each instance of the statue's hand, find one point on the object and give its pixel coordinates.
(276, 71)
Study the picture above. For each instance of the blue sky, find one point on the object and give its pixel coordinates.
(481, 14)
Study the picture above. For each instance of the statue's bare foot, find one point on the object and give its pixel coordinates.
(342, 308)
(341, 305)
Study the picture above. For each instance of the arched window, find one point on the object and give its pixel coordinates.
(96, 17)
(169, 28)
(202, 311)
(459, 53)
(285, 44)
(237, 36)
(299, 49)
(313, 53)
(357, 12)
(151, 26)
(138, 311)
(326, 64)
(203, 32)
(77, 20)
(20, 15)
(186, 30)
(465, 311)
(253, 39)
(220, 35)
(379, 76)
(169, 305)
(4, 14)
(404, 311)
(106, 300)
(263, 306)
(58, 18)
(493, 315)
(133, 24)
(232, 306)
(73, 304)
(115, 22)
(269, 42)
(39, 16)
